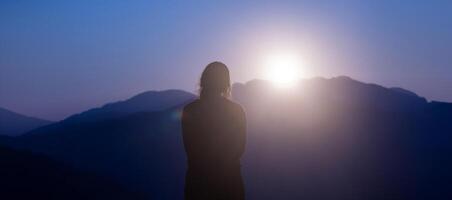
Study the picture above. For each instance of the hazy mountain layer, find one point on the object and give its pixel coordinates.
(13, 124)
(323, 139)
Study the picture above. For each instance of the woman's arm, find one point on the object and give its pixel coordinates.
(187, 133)
(241, 132)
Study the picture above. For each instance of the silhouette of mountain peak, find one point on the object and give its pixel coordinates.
(13, 124)
(343, 90)
(343, 78)
(143, 102)
(158, 94)
(404, 91)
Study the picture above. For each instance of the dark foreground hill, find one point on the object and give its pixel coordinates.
(324, 139)
(13, 124)
(27, 176)
(142, 151)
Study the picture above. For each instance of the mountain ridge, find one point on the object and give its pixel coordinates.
(142, 102)
(14, 124)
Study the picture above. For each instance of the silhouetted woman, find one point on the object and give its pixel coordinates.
(214, 133)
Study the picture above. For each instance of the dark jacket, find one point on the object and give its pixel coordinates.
(214, 134)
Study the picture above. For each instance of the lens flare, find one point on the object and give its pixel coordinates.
(283, 70)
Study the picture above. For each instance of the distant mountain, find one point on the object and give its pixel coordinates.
(332, 138)
(28, 176)
(343, 91)
(144, 102)
(14, 124)
(403, 91)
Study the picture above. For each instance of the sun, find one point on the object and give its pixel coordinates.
(283, 69)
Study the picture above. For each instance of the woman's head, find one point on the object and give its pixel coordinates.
(215, 80)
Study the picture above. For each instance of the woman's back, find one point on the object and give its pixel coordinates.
(214, 132)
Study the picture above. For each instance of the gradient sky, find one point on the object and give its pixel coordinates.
(61, 57)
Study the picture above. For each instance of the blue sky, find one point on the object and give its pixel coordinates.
(61, 57)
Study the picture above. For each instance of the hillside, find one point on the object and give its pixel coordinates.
(28, 176)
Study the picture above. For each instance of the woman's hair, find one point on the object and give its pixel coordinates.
(215, 80)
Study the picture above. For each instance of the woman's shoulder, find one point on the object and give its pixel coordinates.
(197, 104)
(235, 106)
(191, 105)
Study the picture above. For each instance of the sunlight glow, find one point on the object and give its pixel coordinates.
(283, 69)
